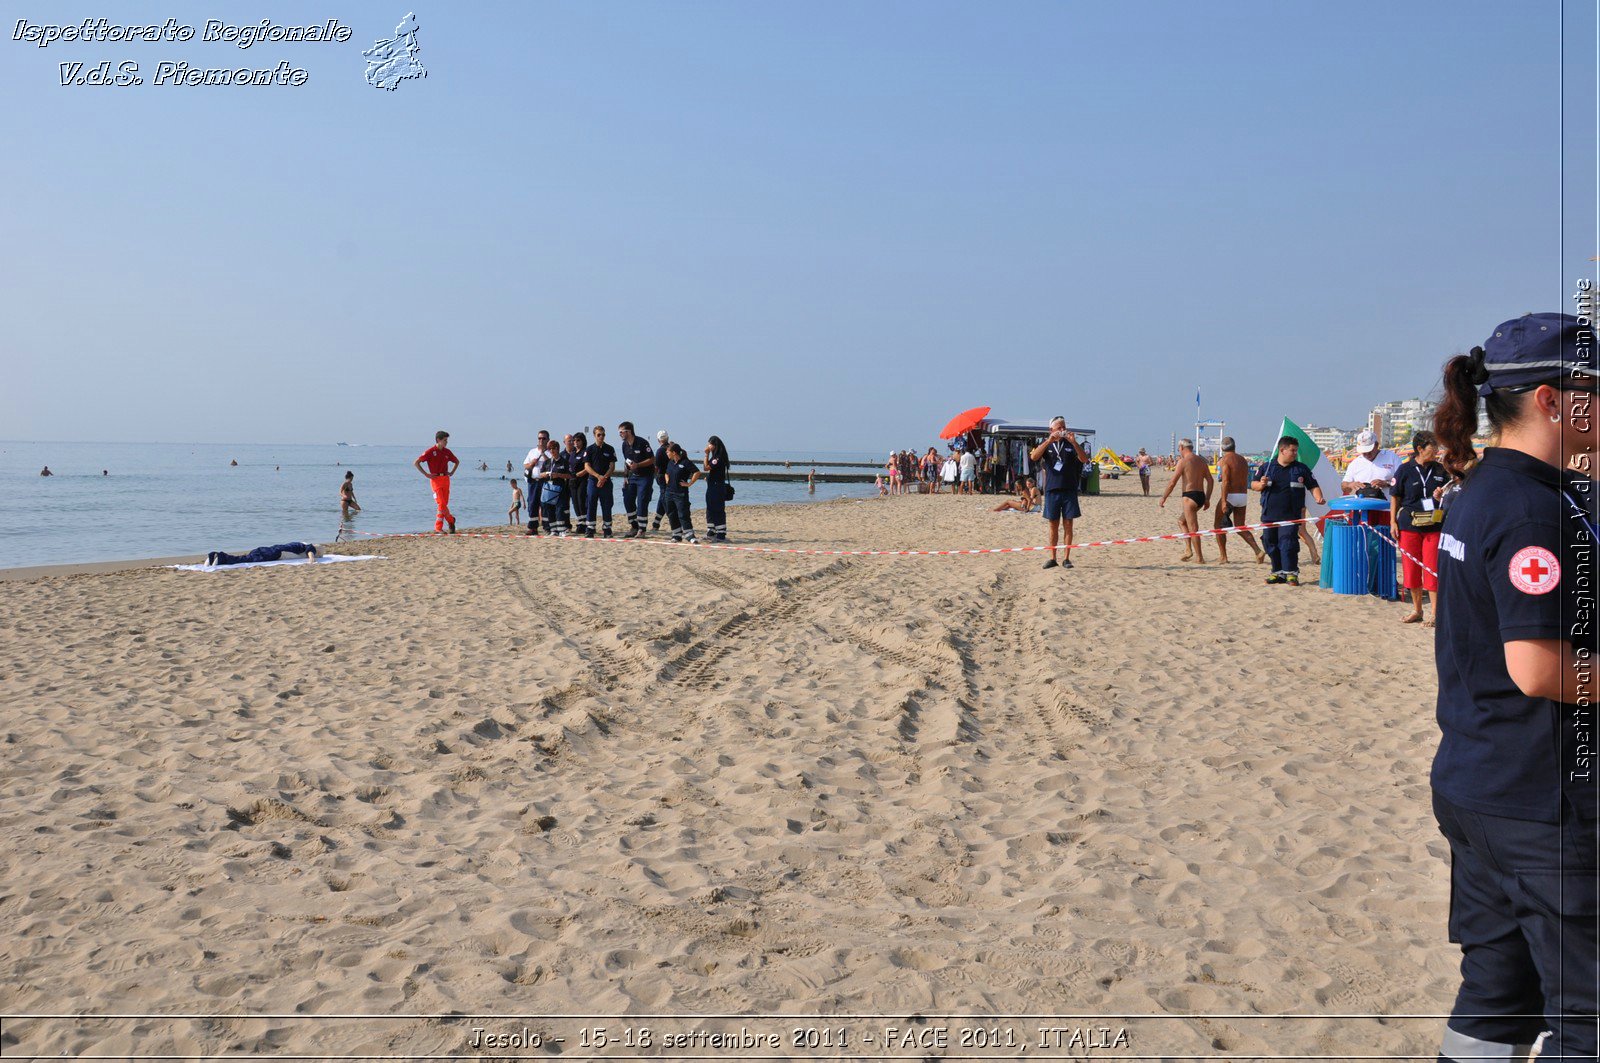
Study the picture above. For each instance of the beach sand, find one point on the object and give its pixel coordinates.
(527, 777)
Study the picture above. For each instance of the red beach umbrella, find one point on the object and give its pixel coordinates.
(964, 422)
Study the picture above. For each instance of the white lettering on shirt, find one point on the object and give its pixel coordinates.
(1449, 544)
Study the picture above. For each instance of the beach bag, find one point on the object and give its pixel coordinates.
(551, 494)
(1370, 492)
(727, 491)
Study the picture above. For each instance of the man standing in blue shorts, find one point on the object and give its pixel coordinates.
(1061, 459)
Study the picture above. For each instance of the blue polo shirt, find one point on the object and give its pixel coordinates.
(638, 451)
(1515, 562)
(662, 459)
(601, 457)
(1062, 467)
(678, 474)
(1412, 484)
(559, 470)
(1284, 497)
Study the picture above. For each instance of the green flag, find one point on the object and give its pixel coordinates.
(1322, 469)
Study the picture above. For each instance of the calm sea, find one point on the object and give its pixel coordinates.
(166, 499)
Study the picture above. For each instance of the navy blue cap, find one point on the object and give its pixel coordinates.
(1554, 349)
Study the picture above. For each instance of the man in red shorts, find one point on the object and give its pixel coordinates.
(441, 466)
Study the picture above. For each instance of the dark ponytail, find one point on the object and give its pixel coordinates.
(1456, 420)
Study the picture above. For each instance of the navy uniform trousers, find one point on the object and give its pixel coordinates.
(1523, 900)
(717, 509)
(636, 492)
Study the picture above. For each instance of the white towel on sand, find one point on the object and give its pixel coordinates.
(324, 559)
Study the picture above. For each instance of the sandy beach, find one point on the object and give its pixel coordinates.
(528, 777)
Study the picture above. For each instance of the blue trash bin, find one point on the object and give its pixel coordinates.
(1361, 557)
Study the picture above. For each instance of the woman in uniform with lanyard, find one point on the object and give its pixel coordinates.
(1514, 779)
(1415, 514)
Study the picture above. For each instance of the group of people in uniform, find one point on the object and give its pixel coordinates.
(571, 485)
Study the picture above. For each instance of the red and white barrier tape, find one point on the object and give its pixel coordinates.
(825, 553)
(1392, 541)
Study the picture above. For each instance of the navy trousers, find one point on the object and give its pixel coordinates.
(716, 509)
(263, 553)
(579, 492)
(636, 500)
(662, 509)
(1283, 547)
(601, 499)
(678, 507)
(555, 513)
(1523, 900)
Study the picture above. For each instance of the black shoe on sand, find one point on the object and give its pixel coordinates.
(1052, 563)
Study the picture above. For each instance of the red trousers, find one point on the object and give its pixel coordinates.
(441, 496)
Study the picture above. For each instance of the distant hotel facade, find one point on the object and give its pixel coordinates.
(1329, 439)
(1394, 423)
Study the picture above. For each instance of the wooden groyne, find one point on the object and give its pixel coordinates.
(798, 476)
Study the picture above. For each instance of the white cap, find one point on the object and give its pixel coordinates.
(1366, 440)
(661, 436)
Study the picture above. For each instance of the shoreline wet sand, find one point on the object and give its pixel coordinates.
(529, 777)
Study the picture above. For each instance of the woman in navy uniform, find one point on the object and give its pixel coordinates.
(716, 474)
(681, 475)
(555, 510)
(578, 484)
(1514, 778)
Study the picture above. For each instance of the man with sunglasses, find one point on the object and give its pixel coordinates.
(537, 468)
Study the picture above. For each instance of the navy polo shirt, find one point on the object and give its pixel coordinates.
(601, 457)
(1512, 561)
(661, 463)
(559, 468)
(638, 451)
(575, 459)
(716, 469)
(1412, 484)
(1285, 494)
(679, 473)
(1066, 477)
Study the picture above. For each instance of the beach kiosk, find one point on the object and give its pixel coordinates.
(1034, 431)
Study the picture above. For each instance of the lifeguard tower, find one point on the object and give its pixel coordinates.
(1208, 439)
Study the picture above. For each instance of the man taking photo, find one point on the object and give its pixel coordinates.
(1062, 458)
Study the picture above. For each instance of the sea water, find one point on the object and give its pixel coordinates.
(111, 501)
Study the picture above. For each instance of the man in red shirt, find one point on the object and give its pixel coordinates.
(441, 466)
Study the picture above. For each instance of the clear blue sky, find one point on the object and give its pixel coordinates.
(827, 224)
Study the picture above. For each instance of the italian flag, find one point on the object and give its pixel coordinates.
(1328, 478)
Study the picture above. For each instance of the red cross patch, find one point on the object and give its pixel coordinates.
(1535, 570)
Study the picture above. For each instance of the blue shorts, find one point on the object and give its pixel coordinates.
(1061, 505)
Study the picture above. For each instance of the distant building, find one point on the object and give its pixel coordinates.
(1330, 439)
(1395, 422)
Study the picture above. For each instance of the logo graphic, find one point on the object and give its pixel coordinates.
(393, 61)
(1535, 570)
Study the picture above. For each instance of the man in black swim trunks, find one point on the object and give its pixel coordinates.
(1195, 476)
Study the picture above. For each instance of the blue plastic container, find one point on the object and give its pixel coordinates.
(1360, 559)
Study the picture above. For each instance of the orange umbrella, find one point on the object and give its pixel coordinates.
(964, 422)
